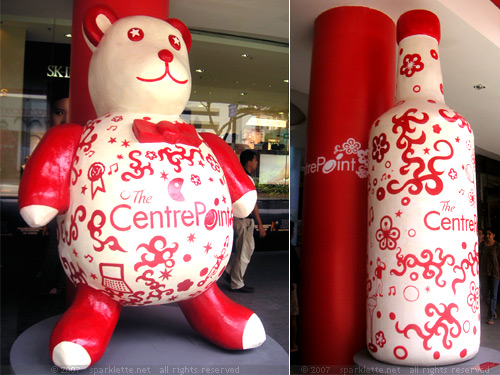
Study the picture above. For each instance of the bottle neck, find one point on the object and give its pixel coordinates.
(419, 70)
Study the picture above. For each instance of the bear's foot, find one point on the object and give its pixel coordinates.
(81, 336)
(222, 321)
(70, 356)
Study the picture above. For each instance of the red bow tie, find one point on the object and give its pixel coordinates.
(166, 131)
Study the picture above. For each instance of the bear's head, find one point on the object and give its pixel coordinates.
(139, 63)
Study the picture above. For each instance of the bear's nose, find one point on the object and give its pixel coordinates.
(166, 55)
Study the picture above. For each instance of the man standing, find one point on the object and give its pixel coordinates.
(244, 241)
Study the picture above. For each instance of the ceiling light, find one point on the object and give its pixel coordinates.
(245, 55)
(479, 86)
(200, 70)
(285, 80)
(68, 35)
(243, 93)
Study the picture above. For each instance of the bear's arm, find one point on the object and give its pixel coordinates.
(44, 187)
(241, 187)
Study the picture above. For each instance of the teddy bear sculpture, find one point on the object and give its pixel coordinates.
(144, 203)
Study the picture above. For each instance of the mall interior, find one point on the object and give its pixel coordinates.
(250, 63)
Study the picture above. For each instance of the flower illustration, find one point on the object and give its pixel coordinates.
(351, 146)
(380, 339)
(387, 235)
(195, 179)
(380, 147)
(452, 173)
(117, 118)
(411, 65)
(151, 155)
(473, 297)
(363, 157)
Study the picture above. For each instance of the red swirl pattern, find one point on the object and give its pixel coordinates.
(176, 157)
(446, 325)
(95, 225)
(137, 167)
(431, 268)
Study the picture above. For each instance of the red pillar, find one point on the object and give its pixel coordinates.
(352, 83)
(81, 108)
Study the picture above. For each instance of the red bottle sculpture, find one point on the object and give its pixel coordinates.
(422, 281)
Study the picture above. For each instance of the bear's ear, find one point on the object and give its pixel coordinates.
(179, 25)
(96, 22)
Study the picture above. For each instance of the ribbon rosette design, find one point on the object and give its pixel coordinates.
(95, 174)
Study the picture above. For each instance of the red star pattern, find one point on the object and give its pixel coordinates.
(166, 274)
(75, 252)
(120, 156)
(112, 140)
(191, 237)
(201, 163)
(93, 276)
(426, 150)
(457, 139)
(207, 247)
(224, 199)
(164, 176)
(125, 143)
(84, 188)
(399, 213)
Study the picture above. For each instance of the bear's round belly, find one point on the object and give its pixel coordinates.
(148, 223)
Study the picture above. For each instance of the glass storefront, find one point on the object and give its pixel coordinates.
(241, 96)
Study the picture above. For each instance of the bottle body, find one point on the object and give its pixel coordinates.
(422, 272)
(423, 286)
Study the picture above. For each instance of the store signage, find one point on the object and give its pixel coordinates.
(349, 157)
(58, 71)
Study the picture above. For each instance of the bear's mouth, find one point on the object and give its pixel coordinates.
(167, 72)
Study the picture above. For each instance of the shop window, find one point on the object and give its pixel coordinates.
(239, 92)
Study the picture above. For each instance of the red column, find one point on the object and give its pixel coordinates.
(81, 109)
(352, 83)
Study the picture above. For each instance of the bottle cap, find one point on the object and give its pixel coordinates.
(418, 22)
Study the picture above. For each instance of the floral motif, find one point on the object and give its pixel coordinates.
(351, 146)
(452, 173)
(380, 339)
(151, 155)
(411, 65)
(380, 147)
(473, 297)
(195, 179)
(362, 171)
(117, 119)
(387, 235)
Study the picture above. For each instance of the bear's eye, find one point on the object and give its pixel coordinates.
(174, 42)
(135, 34)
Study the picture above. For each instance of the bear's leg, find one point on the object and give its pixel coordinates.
(222, 321)
(82, 334)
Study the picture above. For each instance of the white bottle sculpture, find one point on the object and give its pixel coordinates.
(422, 274)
